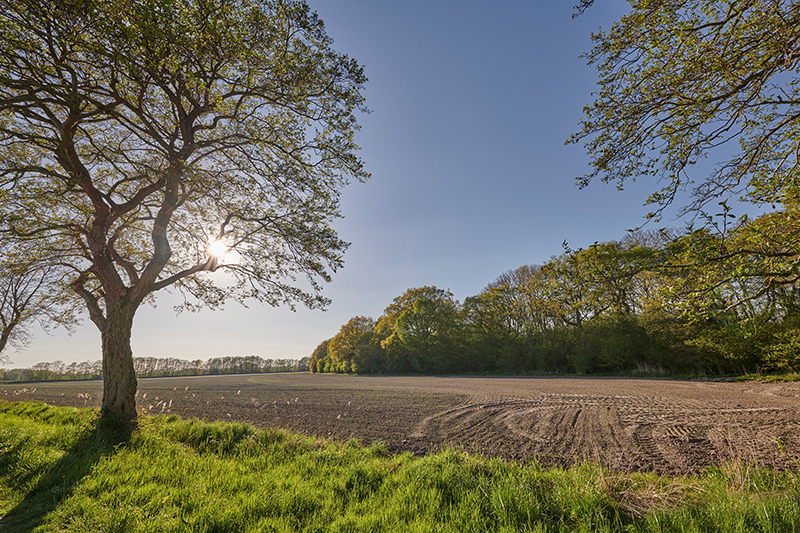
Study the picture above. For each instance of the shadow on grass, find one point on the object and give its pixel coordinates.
(59, 481)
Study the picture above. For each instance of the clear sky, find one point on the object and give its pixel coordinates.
(471, 104)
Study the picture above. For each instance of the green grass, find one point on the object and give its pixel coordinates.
(59, 473)
(770, 378)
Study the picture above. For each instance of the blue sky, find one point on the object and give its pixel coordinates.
(471, 104)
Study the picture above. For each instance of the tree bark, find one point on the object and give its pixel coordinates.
(119, 377)
(5, 336)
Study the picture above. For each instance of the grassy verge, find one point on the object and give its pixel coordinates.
(770, 378)
(58, 473)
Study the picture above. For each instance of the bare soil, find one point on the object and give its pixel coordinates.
(675, 427)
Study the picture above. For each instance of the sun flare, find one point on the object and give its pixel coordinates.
(218, 249)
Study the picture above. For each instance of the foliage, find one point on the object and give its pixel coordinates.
(151, 367)
(133, 135)
(746, 267)
(318, 357)
(678, 81)
(28, 295)
(783, 352)
(353, 348)
(59, 473)
(654, 302)
(495, 330)
(396, 352)
(682, 82)
(430, 334)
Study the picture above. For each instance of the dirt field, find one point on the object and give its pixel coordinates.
(629, 425)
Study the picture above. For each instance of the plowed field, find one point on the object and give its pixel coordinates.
(630, 425)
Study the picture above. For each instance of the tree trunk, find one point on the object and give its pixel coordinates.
(4, 337)
(119, 377)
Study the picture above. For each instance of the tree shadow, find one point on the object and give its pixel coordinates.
(58, 482)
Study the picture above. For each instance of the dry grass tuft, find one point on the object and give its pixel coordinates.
(639, 494)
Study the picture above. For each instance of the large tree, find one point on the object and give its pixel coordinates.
(682, 81)
(431, 334)
(354, 348)
(135, 135)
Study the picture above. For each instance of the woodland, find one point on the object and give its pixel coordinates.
(155, 367)
(652, 303)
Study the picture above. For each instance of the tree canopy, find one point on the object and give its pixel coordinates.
(626, 306)
(682, 81)
(135, 135)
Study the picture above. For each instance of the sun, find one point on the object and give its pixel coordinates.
(218, 249)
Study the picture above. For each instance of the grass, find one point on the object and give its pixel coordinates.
(770, 378)
(59, 473)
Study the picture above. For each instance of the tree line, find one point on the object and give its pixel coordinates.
(719, 299)
(152, 367)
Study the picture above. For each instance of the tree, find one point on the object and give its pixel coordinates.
(26, 297)
(18, 288)
(526, 290)
(396, 354)
(135, 135)
(319, 357)
(354, 348)
(497, 321)
(680, 82)
(431, 332)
